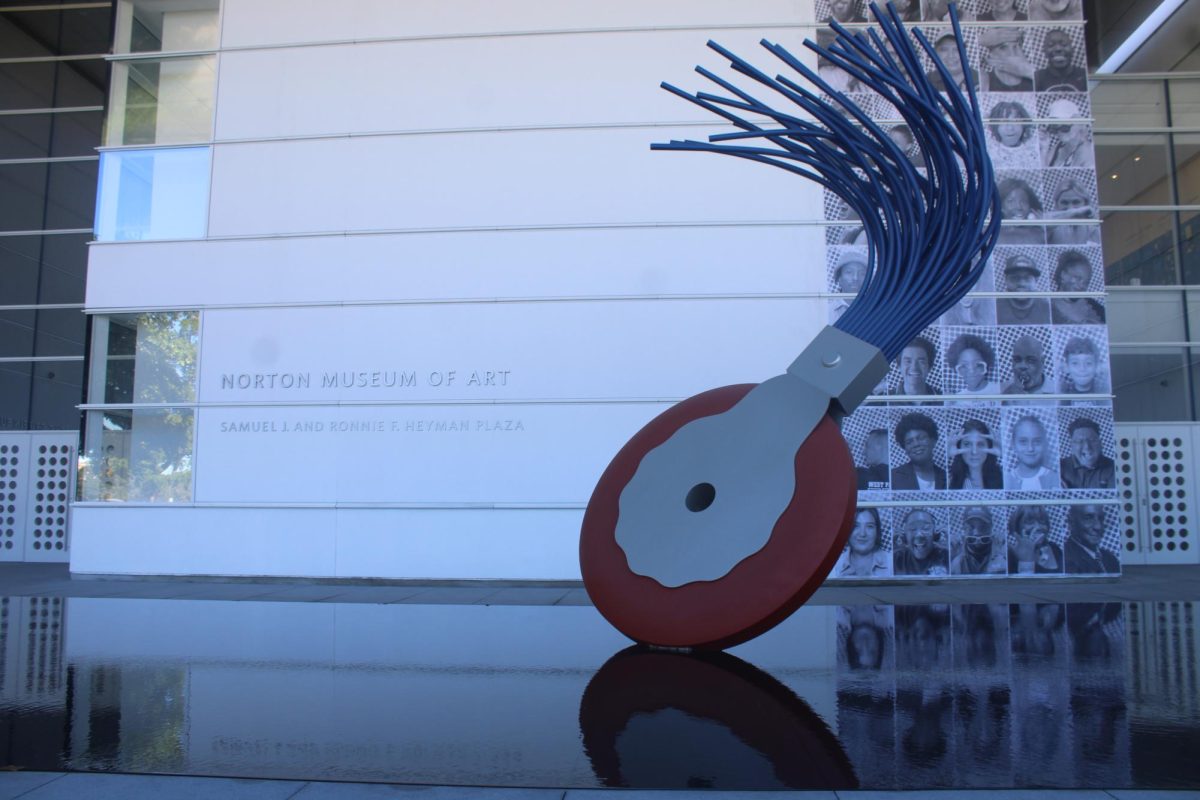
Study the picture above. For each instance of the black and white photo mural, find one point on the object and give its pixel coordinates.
(989, 450)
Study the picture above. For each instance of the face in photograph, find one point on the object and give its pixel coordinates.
(971, 358)
(1004, 57)
(844, 11)
(875, 448)
(975, 460)
(1072, 200)
(977, 531)
(919, 527)
(909, 10)
(1073, 273)
(1084, 441)
(1068, 140)
(850, 274)
(1087, 524)
(864, 538)
(1000, 11)
(946, 48)
(916, 361)
(1081, 364)
(933, 10)
(1054, 10)
(1059, 50)
(1021, 274)
(1006, 126)
(1028, 365)
(1029, 443)
(918, 444)
(1018, 201)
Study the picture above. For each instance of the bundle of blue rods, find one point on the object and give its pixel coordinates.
(928, 236)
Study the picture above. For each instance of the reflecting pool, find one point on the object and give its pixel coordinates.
(880, 697)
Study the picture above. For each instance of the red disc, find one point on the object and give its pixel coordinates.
(760, 591)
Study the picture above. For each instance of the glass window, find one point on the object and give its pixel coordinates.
(50, 135)
(49, 84)
(1189, 246)
(1185, 102)
(1146, 316)
(165, 101)
(78, 31)
(20, 262)
(64, 267)
(1187, 168)
(1151, 384)
(41, 332)
(47, 196)
(145, 358)
(57, 391)
(16, 377)
(1139, 248)
(41, 395)
(1133, 169)
(142, 455)
(144, 26)
(153, 194)
(61, 260)
(16, 334)
(1129, 104)
(60, 332)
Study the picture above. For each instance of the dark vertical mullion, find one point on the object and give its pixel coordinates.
(1177, 236)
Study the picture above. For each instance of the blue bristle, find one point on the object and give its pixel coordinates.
(928, 236)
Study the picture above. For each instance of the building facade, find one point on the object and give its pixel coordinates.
(380, 295)
(53, 89)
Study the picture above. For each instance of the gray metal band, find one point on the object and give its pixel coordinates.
(747, 456)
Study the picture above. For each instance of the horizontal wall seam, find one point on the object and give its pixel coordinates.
(39, 359)
(582, 298)
(566, 226)
(727, 26)
(49, 59)
(1150, 208)
(632, 125)
(13, 112)
(57, 231)
(1116, 345)
(41, 306)
(53, 7)
(47, 160)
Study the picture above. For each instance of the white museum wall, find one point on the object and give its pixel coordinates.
(540, 178)
(481, 265)
(453, 83)
(264, 23)
(386, 252)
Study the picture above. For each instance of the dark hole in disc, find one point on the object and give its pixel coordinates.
(700, 497)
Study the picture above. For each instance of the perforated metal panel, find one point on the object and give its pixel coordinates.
(32, 668)
(14, 460)
(51, 487)
(1157, 485)
(37, 482)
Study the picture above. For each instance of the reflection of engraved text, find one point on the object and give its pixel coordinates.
(365, 379)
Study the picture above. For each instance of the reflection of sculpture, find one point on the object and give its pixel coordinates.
(672, 721)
